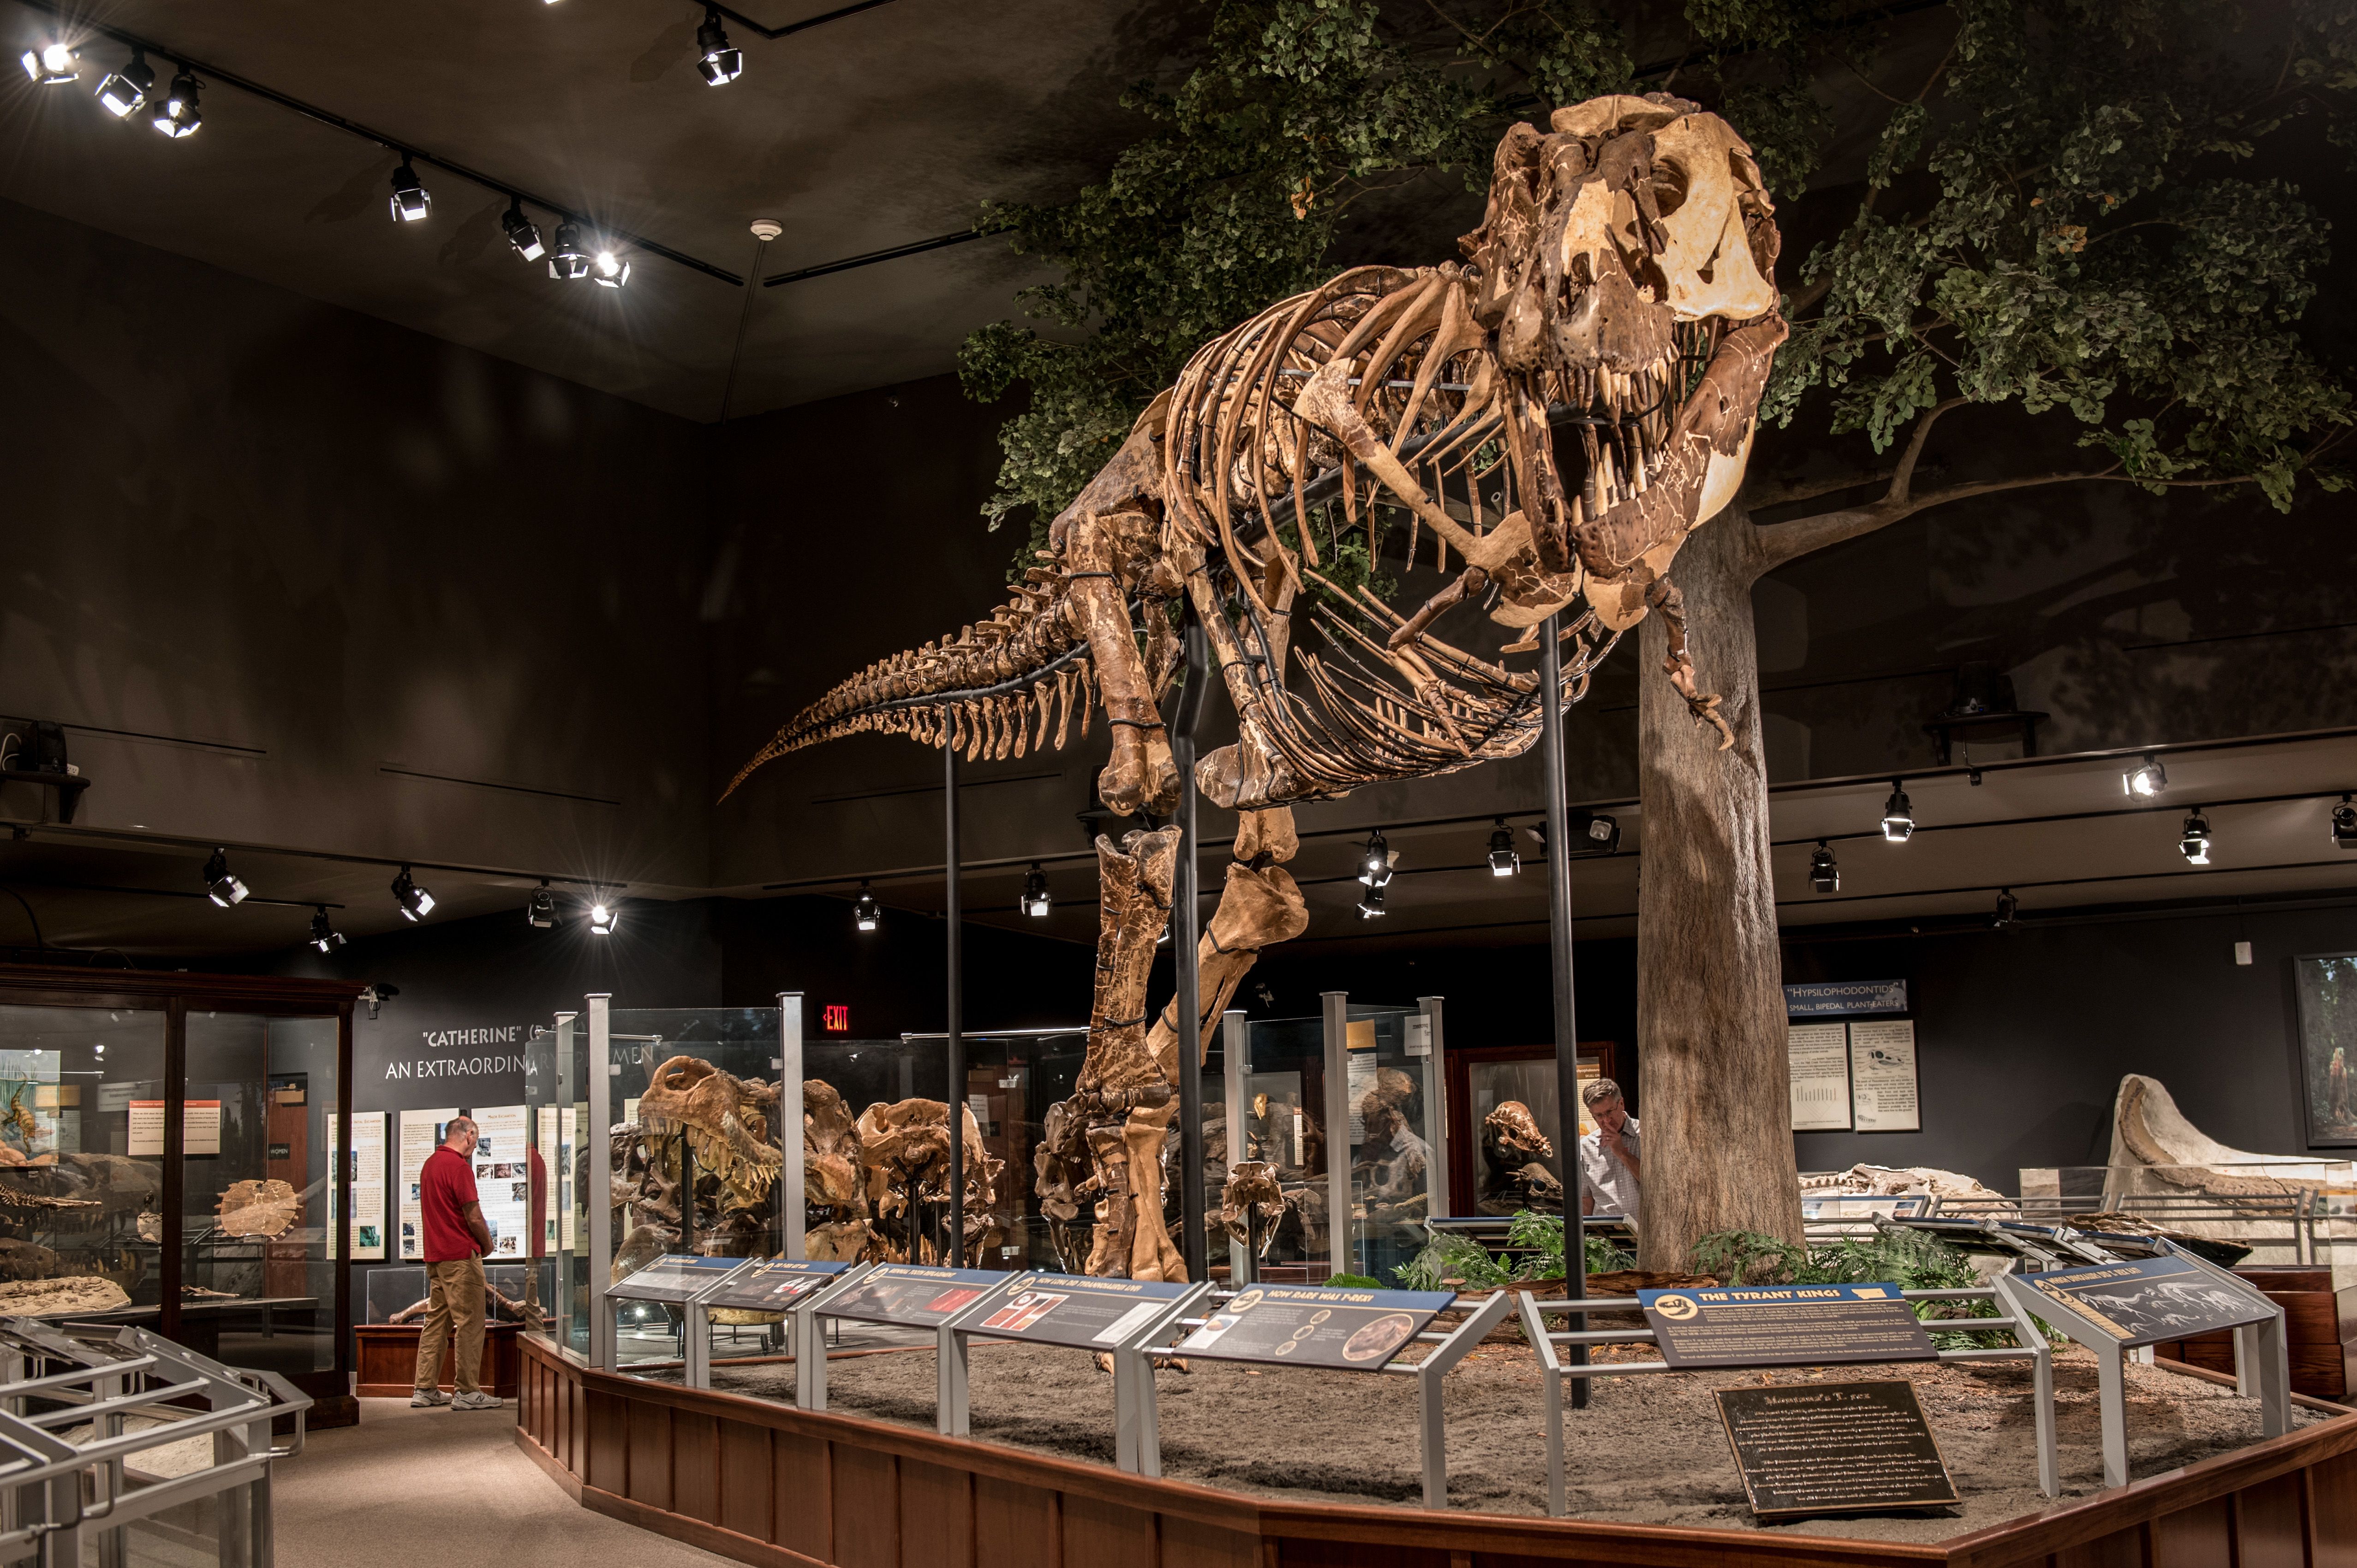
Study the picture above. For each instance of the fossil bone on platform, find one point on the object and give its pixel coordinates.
(266, 1209)
(60, 1297)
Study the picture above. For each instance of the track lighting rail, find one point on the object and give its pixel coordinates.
(807, 22)
(401, 146)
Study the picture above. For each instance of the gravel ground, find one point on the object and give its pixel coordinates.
(1649, 1449)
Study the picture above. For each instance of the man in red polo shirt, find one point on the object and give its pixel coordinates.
(457, 1241)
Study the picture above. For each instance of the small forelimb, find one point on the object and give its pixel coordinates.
(1664, 596)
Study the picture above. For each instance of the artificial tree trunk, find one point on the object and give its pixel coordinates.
(1716, 1141)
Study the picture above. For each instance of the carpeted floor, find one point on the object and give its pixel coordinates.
(409, 1486)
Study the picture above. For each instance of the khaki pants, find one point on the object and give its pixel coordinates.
(454, 1309)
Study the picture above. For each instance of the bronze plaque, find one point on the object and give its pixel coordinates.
(1828, 1448)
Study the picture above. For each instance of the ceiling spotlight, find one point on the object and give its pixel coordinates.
(1371, 902)
(720, 63)
(607, 270)
(602, 916)
(864, 912)
(219, 885)
(324, 935)
(411, 200)
(178, 115)
(2195, 844)
(1375, 862)
(2344, 823)
(541, 909)
(1503, 861)
(1824, 877)
(127, 88)
(523, 232)
(1898, 816)
(568, 261)
(1035, 892)
(2006, 905)
(2148, 780)
(52, 65)
(414, 902)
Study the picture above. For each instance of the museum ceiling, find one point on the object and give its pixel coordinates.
(862, 134)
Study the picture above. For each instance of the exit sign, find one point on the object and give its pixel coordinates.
(837, 1020)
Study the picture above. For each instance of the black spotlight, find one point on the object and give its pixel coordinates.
(410, 199)
(324, 935)
(1375, 862)
(52, 65)
(2344, 823)
(220, 886)
(127, 88)
(1371, 902)
(522, 231)
(178, 115)
(2195, 845)
(720, 62)
(414, 902)
(603, 913)
(1824, 877)
(1035, 892)
(1503, 861)
(2006, 905)
(541, 910)
(2148, 780)
(568, 261)
(864, 912)
(1898, 816)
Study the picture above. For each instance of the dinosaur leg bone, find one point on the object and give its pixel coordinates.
(1120, 1080)
(1140, 773)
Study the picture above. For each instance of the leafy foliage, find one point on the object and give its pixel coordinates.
(1537, 1236)
(2061, 215)
(1909, 1259)
(1354, 1282)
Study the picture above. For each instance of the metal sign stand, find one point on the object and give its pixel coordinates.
(1448, 1349)
(1555, 1367)
(810, 1339)
(1136, 1413)
(2262, 1364)
(955, 1390)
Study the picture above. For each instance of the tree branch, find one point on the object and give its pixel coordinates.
(1761, 494)
(1903, 478)
(1775, 543)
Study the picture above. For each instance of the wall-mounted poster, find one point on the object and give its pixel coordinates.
(367, 1238)
(2328, 1049)
(421, 1132)
(502, 1175)
(1882, 1077)
(1818, 1055)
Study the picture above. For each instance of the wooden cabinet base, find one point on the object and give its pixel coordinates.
(773, 1486)
(2319, 1331)
(388, 1359)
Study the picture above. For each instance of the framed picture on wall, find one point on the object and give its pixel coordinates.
(2327, 986)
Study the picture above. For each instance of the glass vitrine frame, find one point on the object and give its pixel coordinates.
(176, 996)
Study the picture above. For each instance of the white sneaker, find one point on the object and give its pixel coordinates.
(478, 1401)
(426, 1399)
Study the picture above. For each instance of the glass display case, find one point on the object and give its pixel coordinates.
(165, 1160)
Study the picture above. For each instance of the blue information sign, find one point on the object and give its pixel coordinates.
(1843, 998)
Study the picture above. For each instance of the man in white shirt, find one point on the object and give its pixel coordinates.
(1610, 1176)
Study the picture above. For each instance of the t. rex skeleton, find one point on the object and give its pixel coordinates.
(1560, 412)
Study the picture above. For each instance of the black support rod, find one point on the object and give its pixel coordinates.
(1185, 1007)
(952, 918)
(1567, 1006)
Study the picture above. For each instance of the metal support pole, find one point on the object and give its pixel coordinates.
(601, 1219)
(1440, 1199)
(955, 916)
(792, 1212)
(1235, 1064)
(1567, 1007)
(1341, 1244)
(1187, 1006)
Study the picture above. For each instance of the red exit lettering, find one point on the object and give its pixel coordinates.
(837, 1020)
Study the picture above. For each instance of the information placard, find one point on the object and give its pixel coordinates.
(1882, 1090)
(776, 1285)
(1317, 1326)
(367, 1236)
(674, 1276)
(421, 1132)
(1835, 1448)
(1784, 1325)
(2153, 1300)
(503, 1179)
(1818, 1059)
(1074, 1309)
(912, 1295)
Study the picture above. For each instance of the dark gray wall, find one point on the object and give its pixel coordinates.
(263, 550)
